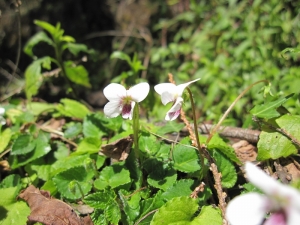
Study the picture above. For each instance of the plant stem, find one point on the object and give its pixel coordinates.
(196, 129)
(136, 127)
(58, 54)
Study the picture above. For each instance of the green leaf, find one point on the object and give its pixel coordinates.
(268, 110)
(78, 175)
(25, 143)
(75, 48)
(34, 40)
(72, 108)
(43, 171)
(68, 163)
(47, 26)
(33, 76)
(11, 211)
(226, 168)
(186, 159)
(113, 176)
(36, 108)
(5, 137)
(50, 186)
(88, 145)
(98, 217)
(120, 55)
(42, 148)
(67, 38)
(73, 129)
(160, 175)
(281, 145)
(209, 215)
(77, 74)
(170, 127)
(100, 199)
(13, 180)
(113, 213)
(92, 125)
(131, 205)
(148, 144)
(180, 188)
(179, 211)
(217, 143)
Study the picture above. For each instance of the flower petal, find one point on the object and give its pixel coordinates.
(129, 111)
(165, 87)
(277, 218)
(2, 111)
(112, 109)
(180, 88)
(167, 97)
(293, 216)
(174, 112)
(114, 91)
(139, 92)
(268, 184)
(247, 209)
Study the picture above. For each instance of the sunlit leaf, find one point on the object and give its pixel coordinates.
(226, 168)
(34, 40)
(112, 176)
(23, 144)
(186, 159)
(72, 108)
(273, 144)
(80, 176)
(77, 74)
(5, 136)
(268, 110)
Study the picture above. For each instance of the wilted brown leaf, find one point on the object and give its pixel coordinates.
(119, 149)
(49, 211)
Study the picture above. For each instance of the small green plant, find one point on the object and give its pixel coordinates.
(68, 69)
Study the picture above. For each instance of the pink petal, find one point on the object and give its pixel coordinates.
(277, 218)
(174, 112)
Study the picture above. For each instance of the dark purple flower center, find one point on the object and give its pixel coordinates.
(126, 109)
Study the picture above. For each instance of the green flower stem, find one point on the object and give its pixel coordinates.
(196, 130)
(136, 127)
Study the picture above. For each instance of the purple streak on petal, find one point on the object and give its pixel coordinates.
(277, 218)
(126, 111)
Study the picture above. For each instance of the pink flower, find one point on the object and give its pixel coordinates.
(282, 201)
(122, 101)
(171, 93)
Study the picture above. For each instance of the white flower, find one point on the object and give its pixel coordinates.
(122, 101)
(171, 93)
(282, 201)
(2, 120)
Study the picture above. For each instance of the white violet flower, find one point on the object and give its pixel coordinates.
(2, 120)
(171, 93)
(280, 200)
(122, 101)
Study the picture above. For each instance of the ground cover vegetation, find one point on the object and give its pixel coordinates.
(179, 112)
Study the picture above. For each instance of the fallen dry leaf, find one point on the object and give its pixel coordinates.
(119, 149)
(245, 151)
(50, 211)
